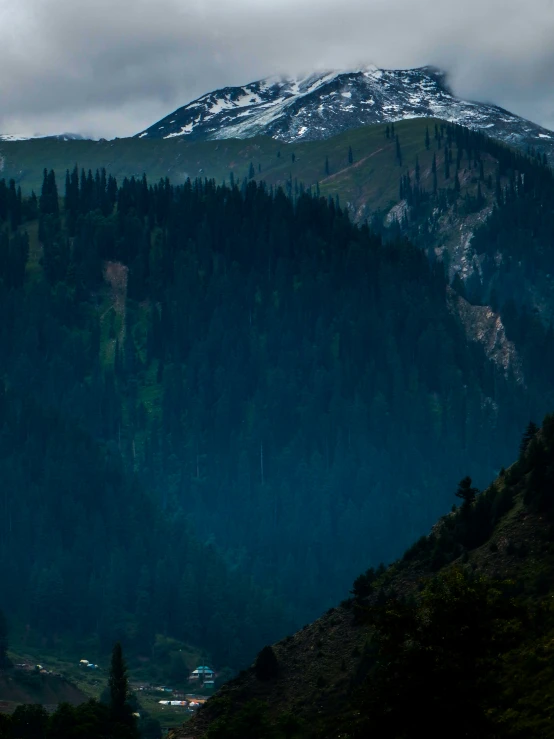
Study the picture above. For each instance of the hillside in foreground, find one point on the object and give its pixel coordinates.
(456, 636)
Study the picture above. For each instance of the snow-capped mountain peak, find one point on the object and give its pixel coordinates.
(324, 103)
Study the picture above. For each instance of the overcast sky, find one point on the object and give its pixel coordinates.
(113, 67)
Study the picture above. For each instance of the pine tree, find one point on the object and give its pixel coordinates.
(528, 436)
(498, 189)
(120, 712)
(15, 206)
(327, 165)
(67, 198)
(350, 155)
(387, 132)
(266, 666)
(434, 170)
(427, 139)
(251, 171)
(71, 200)
(398, 151)
(4, 659)
(49, 195)
(466, 491)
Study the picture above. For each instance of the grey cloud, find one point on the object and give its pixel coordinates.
(113, 67)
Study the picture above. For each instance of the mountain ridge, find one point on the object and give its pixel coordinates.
(323, 104)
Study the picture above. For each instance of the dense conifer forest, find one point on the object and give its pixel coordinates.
(85, 548)
(219, 404)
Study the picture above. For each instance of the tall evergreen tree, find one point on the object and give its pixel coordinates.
(528, 436)
(266, 665)
(466, 491)
(4, 659)
(121, 713)
(398, 151)
(49, 195)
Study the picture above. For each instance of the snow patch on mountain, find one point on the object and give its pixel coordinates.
(14, 137)
(59, 137)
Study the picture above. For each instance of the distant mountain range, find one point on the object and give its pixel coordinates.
(323, 104)
(58, 137)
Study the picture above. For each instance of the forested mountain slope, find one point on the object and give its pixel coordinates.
(436, 183)
(303, 394)
(487, 212)
(455, 637)
(448, 189)
(86, 551)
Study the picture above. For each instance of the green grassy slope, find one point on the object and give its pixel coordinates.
(370, 182)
